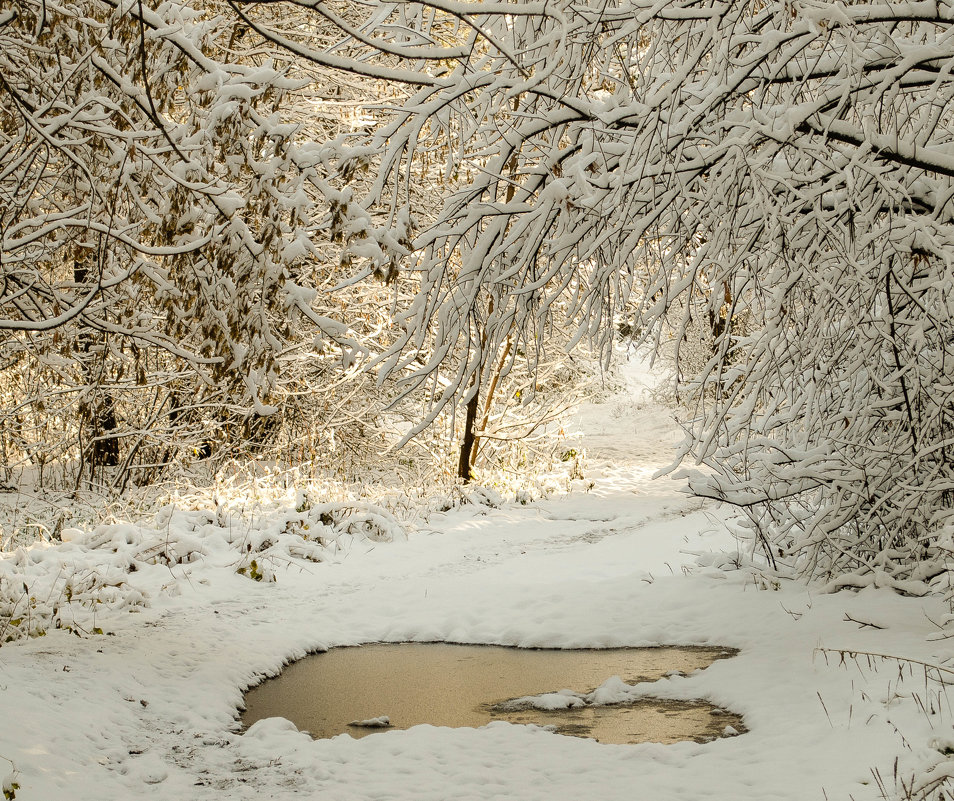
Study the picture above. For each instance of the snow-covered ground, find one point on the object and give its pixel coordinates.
(147, 709)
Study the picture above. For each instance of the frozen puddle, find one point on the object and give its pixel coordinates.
(371, 688)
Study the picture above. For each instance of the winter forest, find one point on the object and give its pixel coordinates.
(316, 315)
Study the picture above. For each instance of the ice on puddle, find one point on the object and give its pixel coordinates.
(612, 691)
(381, 722)
(564, 699)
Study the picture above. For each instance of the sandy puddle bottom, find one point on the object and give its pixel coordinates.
(461, 685)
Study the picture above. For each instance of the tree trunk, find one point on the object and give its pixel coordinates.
(464, 467)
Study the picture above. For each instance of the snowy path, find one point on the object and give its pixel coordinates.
(149, 712)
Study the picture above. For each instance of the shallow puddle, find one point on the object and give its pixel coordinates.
(462, 685)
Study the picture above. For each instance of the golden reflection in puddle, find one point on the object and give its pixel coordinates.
(460, 685)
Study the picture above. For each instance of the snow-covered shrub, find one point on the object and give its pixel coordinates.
(74, 583)
(182, 310)
(9, 784)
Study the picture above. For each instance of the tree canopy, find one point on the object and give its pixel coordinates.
(769, 180)
(762, 189)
